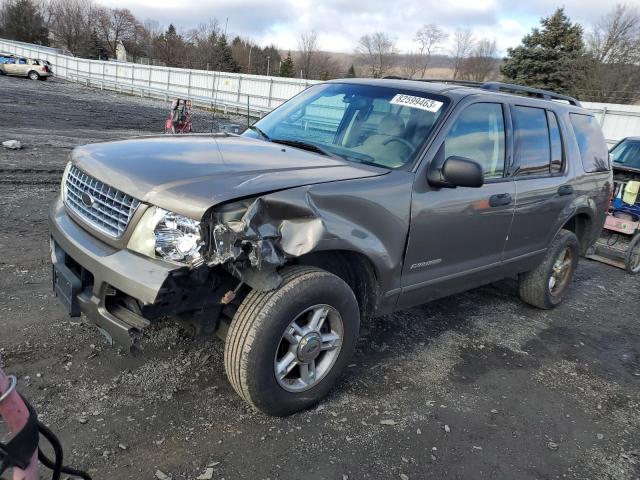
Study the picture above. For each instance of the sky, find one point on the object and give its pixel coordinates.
(340, 23)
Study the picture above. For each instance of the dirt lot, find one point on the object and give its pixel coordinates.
(470, 387)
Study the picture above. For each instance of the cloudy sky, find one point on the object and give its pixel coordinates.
(340, 23)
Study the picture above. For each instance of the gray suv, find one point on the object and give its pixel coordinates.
(355, 198)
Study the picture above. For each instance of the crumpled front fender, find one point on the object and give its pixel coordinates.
(370, 216)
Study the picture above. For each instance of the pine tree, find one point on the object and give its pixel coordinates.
(96, 50)
(225, 61)
(549, 57)
(21, 20)
(351, 73)
(287, 68)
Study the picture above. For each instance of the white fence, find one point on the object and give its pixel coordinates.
(238, 92)
(618, 121)
(228, 91)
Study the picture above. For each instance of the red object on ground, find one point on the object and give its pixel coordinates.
(179, 120)
(16, 414)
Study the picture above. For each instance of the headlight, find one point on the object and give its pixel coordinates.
(63, 185)
(167, 235)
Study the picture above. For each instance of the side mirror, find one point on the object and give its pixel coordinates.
(463, 172)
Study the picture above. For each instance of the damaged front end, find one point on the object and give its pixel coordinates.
(237, 244)
(252, 238)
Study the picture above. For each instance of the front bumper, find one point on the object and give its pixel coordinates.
(93, 271)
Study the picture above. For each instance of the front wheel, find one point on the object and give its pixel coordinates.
(287, 348)
(546, 285)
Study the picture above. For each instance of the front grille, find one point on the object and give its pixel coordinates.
(103, 207)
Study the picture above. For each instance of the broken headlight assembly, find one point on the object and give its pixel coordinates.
(167, 235)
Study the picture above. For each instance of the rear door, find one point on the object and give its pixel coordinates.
(543, 189)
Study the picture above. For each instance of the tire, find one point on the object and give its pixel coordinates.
(257, 334)
(632, 260)
(540, 287)
(33, 75)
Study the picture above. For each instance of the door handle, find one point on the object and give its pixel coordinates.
(565, 190)
(500, 199)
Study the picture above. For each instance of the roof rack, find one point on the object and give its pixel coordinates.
(545, 94)
(499, 87)
(463, 83)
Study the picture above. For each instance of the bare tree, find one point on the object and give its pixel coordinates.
(463, 44)
(483, 62)
(116, 25)
(612, 65)
(72, 22)
(429, 39)
(308, 45)
(614, 38)
(378, 52)
(411, 64)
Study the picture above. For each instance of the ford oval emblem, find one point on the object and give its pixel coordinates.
(87, 200)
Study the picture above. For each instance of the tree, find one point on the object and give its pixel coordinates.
(612, 63)
(224, 56)
(351, 73)
(169, 47)
(463, 44)
(483, 62)
(429, 39)
(116, 25)
(96, 50)
(21, 20)
(378, 52)
(287, 68)
(73, 22)
(550, 57)
(308, 45)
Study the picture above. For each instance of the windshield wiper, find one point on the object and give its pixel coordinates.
(260, 132)
(312, 147)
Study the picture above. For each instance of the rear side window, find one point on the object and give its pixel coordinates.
(557, 152)
(531, 140)
(478, 134)
(593, 148)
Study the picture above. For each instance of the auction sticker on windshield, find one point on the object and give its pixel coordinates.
(416, 102)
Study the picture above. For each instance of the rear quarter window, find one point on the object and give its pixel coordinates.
(593, 148)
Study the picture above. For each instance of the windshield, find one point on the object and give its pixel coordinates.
(627, 153)
(361, 123)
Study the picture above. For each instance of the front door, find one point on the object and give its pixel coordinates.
(457, 235)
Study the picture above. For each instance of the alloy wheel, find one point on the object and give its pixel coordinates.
(309, 347)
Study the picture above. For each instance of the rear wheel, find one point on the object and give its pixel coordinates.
(546, 285)
(34, 75)
(287, 348)
(632, 260)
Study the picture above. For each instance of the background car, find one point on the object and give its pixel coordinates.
(25, 67)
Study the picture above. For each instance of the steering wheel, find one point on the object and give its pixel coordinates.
(399, 140)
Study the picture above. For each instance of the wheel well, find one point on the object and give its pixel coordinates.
(580, 225)
(355, 269)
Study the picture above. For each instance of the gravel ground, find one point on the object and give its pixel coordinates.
(477, 386)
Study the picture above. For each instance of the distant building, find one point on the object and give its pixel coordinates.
(121, 52)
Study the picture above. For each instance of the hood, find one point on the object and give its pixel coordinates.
(189, 174)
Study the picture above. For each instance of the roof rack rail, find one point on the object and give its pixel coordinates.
(545, 94)
(498, 87)
(464, 83)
